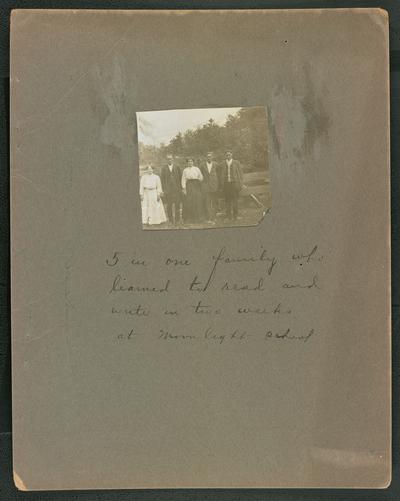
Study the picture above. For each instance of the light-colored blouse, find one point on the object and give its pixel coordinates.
(150, 182)
(191, 173)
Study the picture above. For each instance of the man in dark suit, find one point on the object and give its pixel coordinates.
(232, 183)
(210, 186)
(171, 177)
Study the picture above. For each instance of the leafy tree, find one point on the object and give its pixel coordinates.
(245, 133)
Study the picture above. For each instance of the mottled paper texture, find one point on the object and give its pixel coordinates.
(231, 357)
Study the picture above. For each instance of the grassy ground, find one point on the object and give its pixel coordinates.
(247, 217)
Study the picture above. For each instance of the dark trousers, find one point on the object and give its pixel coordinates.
(173, 207)
(231, 199)
(210, 204)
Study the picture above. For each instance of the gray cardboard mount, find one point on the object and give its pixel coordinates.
(100, 400)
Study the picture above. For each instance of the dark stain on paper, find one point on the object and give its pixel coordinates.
(317, 119)
(297, 121)
(274, 136)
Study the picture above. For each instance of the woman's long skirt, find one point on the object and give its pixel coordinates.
(152, 209)
(193, 207)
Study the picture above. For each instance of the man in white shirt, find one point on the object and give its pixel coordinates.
(171, 185)
(232, 183)
(210, 186)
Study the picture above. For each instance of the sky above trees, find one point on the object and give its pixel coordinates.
(157, 127)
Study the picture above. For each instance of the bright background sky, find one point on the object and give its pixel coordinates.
(156, 127)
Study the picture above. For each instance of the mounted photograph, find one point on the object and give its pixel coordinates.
(203, 168)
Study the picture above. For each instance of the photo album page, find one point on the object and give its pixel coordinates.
(200, 225)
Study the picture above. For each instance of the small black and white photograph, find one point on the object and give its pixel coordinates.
(203, 168)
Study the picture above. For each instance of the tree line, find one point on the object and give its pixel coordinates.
(244, 133)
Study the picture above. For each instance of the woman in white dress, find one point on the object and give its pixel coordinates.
(150, 194)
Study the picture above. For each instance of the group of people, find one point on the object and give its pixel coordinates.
(191, 195)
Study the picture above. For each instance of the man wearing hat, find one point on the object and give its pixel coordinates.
(232, 183)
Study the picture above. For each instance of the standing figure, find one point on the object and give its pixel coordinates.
(232, 181)
(171, 185)
(191, 185)
(210, 187)
(150, 194)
